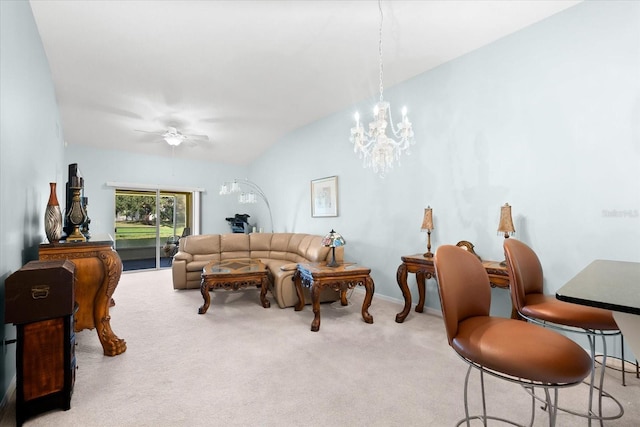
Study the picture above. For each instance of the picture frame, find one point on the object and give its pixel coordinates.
(324, 197)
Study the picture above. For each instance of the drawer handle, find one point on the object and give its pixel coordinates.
(39, 292)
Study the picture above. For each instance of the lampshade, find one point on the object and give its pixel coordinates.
(427, 220)
(506, 223)
(333, 240)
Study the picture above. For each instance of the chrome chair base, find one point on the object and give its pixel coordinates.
(591, 336)
(550, 401)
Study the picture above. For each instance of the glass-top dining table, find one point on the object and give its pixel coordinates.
(615, 286)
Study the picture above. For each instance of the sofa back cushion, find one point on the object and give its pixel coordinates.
(235, 245)
(315, 251)
(292, 247)
(260, 245)
(204, 244)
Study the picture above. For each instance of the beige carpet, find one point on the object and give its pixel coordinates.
(240, 364)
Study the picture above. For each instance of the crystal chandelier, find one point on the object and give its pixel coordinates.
(378, 150)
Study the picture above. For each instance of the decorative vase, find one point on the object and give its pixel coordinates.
(53, 216)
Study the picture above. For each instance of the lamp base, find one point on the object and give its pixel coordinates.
(333, 262)
(428, 255)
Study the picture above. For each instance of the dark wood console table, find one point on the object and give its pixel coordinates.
(98, 270)
(424, 268)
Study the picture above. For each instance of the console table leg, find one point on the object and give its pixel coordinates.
(421, 294)
(370, 289)
(401, 277)
(112, 265)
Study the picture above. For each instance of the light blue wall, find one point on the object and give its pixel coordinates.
(547, 119)
(30, 151)
(101, 166)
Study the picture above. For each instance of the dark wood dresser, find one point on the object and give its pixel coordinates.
(39, 300)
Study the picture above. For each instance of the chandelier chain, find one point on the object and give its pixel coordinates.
(380, 49)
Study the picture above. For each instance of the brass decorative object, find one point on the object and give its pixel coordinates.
(468, 246)
(427, 224)
(76, 215)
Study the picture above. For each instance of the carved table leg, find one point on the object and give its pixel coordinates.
(204, 290)
(401, 277)
(315, 302)
(420, 281)
(297, 282)
(370, 287)
(263, 293)
(111, 344)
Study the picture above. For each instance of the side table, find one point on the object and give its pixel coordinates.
(342, 278)
(424, 268)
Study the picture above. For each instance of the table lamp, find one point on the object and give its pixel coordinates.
(333, 240)
(427, 224)
(506, 224)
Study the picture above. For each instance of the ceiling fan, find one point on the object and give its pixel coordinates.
(174, 137)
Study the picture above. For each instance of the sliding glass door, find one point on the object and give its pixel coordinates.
(149, 224)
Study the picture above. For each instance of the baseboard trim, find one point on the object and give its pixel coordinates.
(427, 310)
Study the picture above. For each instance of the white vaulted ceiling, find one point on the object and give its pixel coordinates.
(245, 73)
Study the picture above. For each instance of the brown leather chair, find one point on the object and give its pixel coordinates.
(510, 349)
(526, 286)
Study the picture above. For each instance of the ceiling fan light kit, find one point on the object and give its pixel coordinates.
(173, 137)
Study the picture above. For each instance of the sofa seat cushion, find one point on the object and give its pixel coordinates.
(197, 265)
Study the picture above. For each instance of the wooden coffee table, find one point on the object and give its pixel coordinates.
(234, 274)
(346, 276)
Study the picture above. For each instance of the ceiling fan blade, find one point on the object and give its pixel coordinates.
(201, 137)
(150, 131)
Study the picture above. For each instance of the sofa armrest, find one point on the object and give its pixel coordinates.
(183, 256)
(179, 273)
(289, 267)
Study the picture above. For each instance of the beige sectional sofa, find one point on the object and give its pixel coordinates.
(280, 252)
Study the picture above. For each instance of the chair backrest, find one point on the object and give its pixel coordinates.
(525, 271)
(463, 286)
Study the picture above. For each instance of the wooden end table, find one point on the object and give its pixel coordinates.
(234, 274)
(317, 276)
(424, 268)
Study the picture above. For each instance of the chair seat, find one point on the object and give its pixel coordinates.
(550, 309)
(522, 350)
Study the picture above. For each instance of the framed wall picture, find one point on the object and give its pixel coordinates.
(324, 197)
